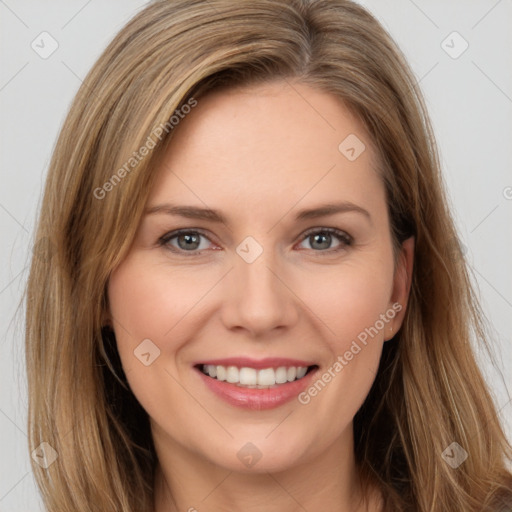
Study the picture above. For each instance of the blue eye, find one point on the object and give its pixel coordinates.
(323, 237)
(189, 240)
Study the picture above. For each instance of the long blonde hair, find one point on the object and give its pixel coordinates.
(429, 391)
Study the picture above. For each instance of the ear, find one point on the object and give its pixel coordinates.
(401, 286)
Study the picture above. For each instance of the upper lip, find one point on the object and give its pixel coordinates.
(247, 362)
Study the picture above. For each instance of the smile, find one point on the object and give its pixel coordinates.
(253, 378)
(257, 385)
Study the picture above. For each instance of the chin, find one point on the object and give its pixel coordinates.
(257, 455)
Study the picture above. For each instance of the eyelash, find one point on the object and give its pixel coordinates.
(345, 239)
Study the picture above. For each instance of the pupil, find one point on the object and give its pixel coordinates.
(190, 239)
(325, 244)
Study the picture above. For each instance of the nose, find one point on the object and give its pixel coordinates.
(257, 297)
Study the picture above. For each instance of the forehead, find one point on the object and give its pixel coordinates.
(276, 143)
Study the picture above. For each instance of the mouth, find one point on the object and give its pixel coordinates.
(256, 385)
(253, 378)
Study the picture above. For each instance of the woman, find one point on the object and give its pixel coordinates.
(189, 345)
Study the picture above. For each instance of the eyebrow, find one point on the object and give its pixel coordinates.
(194, 212)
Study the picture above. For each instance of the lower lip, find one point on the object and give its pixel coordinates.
(257, 399)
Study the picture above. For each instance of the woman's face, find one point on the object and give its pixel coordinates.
(276, 286)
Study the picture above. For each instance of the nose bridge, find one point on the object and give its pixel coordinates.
(257, 298)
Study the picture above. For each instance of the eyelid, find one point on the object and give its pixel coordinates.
(339, 232)
(164, 239)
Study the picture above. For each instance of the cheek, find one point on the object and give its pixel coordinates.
(150, 300)
(153, 301)
(143, 307)
(349, 299)
(351, 302)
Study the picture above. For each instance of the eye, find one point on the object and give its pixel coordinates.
(186, 241)
(321, 238)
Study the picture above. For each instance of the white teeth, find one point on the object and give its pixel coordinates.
(232, 375)
(252, 378)
(281, 375)
(248, 376)
(221, 373)
(301, 371)
(267, 377)
(291, 374)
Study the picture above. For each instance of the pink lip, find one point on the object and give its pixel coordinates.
(257, 399)
(258, 364)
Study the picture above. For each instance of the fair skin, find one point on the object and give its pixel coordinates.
(259, 155)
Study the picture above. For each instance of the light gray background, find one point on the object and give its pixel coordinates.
(470, 103)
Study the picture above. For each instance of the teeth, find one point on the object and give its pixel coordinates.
(301, 371)
(248, 376)
(232, 374)
(281, 375)
(267, 377)
(221, 372)
(252, 378)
